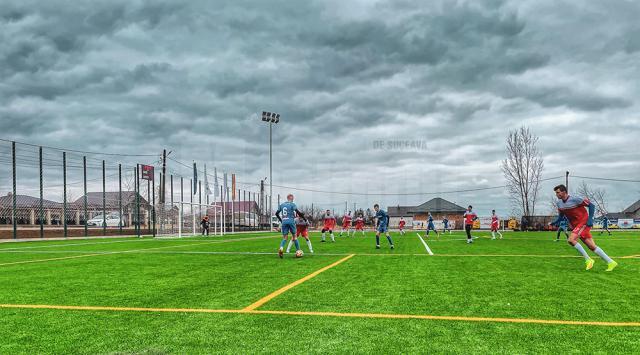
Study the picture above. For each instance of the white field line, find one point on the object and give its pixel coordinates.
(90, 253)
(425, 244)
(125, 241)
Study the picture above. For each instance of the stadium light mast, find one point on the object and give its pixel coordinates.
(271, 118)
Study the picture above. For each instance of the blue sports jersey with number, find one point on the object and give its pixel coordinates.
(287, 212)
(383, 217)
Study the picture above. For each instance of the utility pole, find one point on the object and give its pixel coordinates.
(163, 176)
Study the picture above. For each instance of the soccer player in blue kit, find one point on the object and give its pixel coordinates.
(382, 225)
(286, 213)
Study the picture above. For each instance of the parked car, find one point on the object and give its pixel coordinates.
(112, 220)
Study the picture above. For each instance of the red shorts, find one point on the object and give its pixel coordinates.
(302, 231)
(583, 232)
(346, 225)
(359, 227)
(494, 228)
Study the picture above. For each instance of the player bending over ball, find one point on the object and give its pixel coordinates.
(495, 225)
(581, 220)
(382, 225)
(288, 210)
(329, 224)
(302, 230)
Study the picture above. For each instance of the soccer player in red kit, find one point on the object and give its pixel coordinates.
(495, 225)
(329, 225)
(359, 225)
(469, 218)
(346, 223)
(302, 230)
(401, 225)
(579, 212)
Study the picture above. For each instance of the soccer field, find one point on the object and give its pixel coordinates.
(523, 294)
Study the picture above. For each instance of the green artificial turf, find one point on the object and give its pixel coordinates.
(524, 276)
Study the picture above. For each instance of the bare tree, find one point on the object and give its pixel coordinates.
(597, 196)
(523, 169)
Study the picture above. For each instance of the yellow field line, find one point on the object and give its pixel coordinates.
(131, 251)
(631, 256)
(276, 293)
(329, 314)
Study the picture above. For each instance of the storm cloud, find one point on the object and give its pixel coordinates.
(192, 77)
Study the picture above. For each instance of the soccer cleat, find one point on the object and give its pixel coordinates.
(280, 253)
(392, 246)
(589, 264)
(323, 241)
(612, 265)
(494, 238)
(377, 247)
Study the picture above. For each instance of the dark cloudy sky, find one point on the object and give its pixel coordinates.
(348, 77)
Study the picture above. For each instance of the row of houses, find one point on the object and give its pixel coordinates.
(438, 207)
(441, 208)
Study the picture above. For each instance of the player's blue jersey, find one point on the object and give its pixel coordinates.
(605, 222)
(430, 219)
(288, 212)
(564, 222)
(383, 217)
(445, 222)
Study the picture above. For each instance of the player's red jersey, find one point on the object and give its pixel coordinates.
(302, 227)
(401, 224)
(359, 223)
(494, 223)
(346, 221)
(469, 217)
(329, 222)
(574, 209)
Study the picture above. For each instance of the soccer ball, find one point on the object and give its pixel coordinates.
(299, 254)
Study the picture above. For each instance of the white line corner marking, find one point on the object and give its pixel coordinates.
(425, 244)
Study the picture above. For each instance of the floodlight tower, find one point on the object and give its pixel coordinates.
(271, 118)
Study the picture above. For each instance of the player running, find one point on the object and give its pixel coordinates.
(563, 225)
(359, 225)
(302, 230)
(431, 226)
(401, 225)
(288, 209)
(445, 221)
(329, 225)
(346, 224)
(382, 225)
(469, 218)
(605, 225)
(495, 225)
(581, 220)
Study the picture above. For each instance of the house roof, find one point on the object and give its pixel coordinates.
(111, 199)
(633, 208)
(25, 201)
(438, 205)
(399, 211)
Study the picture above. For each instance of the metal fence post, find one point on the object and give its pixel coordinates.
(86, 215)
(120, 197)
(104, 200)
(13, 197)
(41, 195)
(64, 193)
